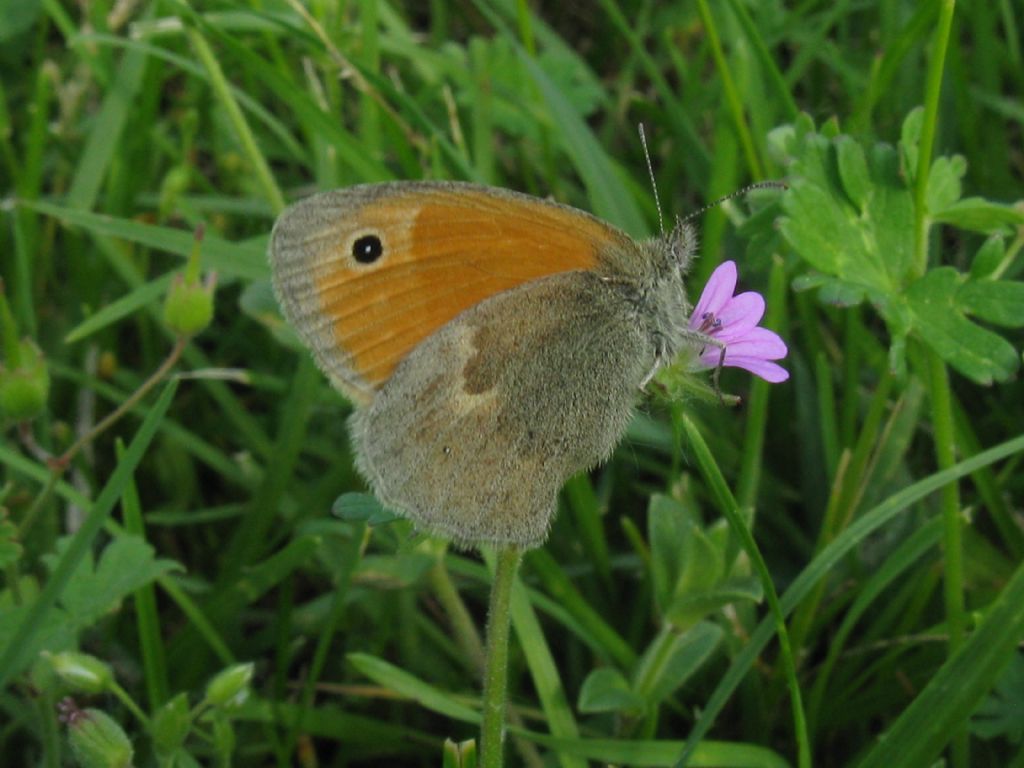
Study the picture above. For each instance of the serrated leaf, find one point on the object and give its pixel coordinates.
(980, 215)
(870, 246)
(937, 317)
(607, 690)
(125, 564)
(1000, 302)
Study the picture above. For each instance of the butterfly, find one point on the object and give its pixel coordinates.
(493, 344)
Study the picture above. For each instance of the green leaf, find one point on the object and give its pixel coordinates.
(980, 215)
(147, 293)
(607, 690)
(683, 559)
(939, 320)
(411, 687)
(672, 658)
(998, 302)
(853, 170)
(690, 607)
(867, 243)
(125, 564)
(243, 260)
(363, 508)
(944, 186)
(988, 258)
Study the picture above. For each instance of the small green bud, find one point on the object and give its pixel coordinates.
(171, 725)
(81, 672)
(96, 740)
(188, 308)
(24, 378)
(229, 684)
(459, 755)
(174, 185)
(24, 384)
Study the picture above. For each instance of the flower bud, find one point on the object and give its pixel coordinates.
(188, 308)
(459, 755)
(24, 378)
(97, 741)
(81, 672)
(227, 685)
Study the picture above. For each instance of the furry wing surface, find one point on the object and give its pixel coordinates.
(538, 384)
(445, 247)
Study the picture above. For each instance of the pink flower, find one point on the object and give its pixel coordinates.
(733, 321)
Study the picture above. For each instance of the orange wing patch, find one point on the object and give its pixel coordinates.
(446, 248)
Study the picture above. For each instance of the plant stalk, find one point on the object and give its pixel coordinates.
(492, 726)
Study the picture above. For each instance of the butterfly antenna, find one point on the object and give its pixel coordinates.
(737, 193)
(650, 172)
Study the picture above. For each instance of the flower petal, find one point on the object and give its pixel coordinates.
(717, 292)
(770, 372)
(740, 315)
(758, 342)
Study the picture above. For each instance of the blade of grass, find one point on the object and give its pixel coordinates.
(147, 619)
(103, 141)
(242, 260)
(396, 679)
(732, 96)
(941, 711)
(820, 566)
(739, 526)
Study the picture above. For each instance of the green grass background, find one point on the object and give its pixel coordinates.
(207, 537)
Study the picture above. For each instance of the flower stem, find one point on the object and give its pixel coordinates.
(492, 726)
(952, 536)
(59, 464)
(929, 125)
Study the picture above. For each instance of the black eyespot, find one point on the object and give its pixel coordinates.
(367, 249)
(447, 450)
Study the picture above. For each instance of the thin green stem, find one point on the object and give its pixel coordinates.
(727, 503)
(933, 89)
(944, 429)
(492, 727)
(463, 629)
(61, 463)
